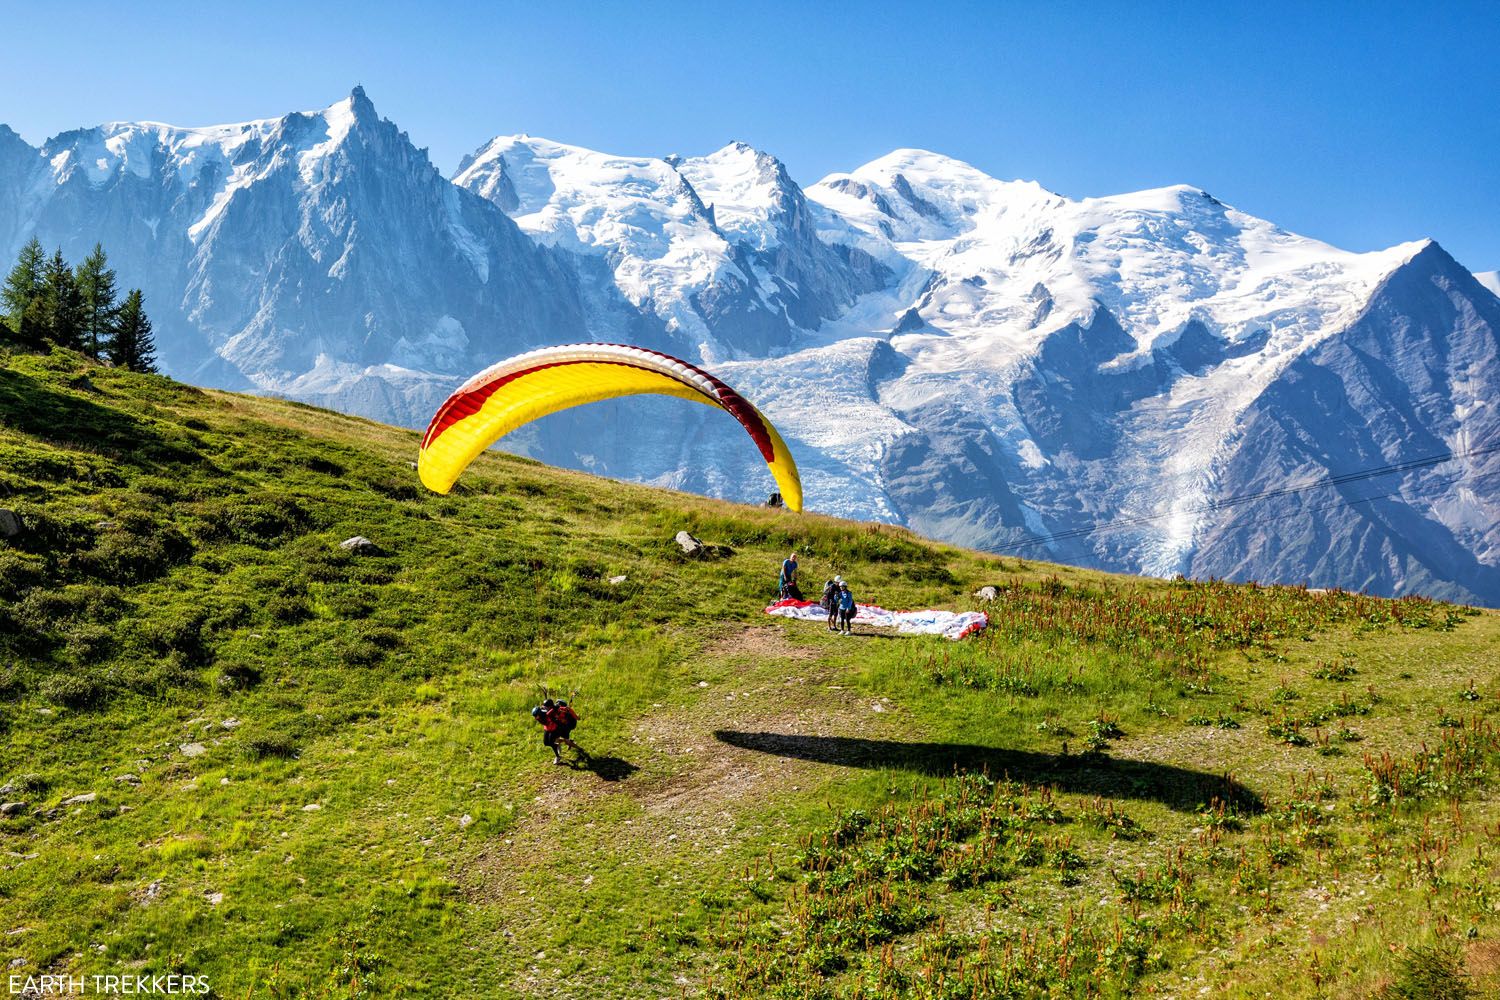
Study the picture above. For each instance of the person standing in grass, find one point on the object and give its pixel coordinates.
(830, 602)
(567, 721)
(557, 719)
(846, 610)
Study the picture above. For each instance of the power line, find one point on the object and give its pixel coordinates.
(1235, 501)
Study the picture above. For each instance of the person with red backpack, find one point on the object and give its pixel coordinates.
(558, 720)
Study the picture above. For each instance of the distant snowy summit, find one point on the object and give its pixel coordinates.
(1135, 382)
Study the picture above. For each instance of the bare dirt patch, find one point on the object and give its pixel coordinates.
(764, 642)
(691, 788)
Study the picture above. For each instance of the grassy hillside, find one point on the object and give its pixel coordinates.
(311, 773)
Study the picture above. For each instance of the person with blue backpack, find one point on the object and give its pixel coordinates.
(846, 610)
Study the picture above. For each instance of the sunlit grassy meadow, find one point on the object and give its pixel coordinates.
(313, 772)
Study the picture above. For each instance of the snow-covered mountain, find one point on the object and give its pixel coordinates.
(1490, 280)
(720, 249)
(310, 254)
(1151, 381)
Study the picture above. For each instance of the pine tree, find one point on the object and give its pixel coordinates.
(132, 345)
(22, 294)
(61, 308)
(96, 299)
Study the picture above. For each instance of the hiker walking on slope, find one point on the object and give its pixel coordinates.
(830, 601)
(787, 583)
(558, 720)
(846, 610)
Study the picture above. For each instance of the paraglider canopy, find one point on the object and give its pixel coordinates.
(519, 390)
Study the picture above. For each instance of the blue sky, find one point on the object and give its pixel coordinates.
(1361, 124)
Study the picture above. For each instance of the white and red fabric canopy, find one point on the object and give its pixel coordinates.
(948, 624)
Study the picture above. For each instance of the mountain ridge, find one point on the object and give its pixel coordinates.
(985, 360)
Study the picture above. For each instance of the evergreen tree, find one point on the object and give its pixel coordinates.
(22, 296)
(132, 345)
(61, 308)
(96, 300)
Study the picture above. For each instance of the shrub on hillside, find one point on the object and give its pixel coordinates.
(288, 609)
(89, 643)
(134, 548)
(350, 603)
(41, 614)
(268, 746)
(1430, 972)
(261, 520)
(75, 690)
(18, 573)
(52, 531)
(239, 676)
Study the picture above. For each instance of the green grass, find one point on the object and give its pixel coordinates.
(1124, 787)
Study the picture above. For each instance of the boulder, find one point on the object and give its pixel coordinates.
(986, 594)
(690, 546)
(128, 779)
(360, 546)
(10, 523)
(79, 800)
(615, 581)
(193, 749)
(11, 808)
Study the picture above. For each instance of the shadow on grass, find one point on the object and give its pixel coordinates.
(607, 768)
(1089, 774)
(33, 407)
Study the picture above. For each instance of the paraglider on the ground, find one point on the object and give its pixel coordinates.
(517, 391)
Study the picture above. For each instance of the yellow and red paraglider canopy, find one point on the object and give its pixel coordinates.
(531, 385)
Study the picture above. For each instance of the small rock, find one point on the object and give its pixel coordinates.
(617, 580)
(312, 807)
(690, 546)
(214, 898)
(128, 779)
(193, 749)
(703, 684)
(10, 523)
(464, 821)
(7, 788)
(16, 963)
(986, 594)
(360, 545)
(230, 723)
(80, 800)
(12, 808)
